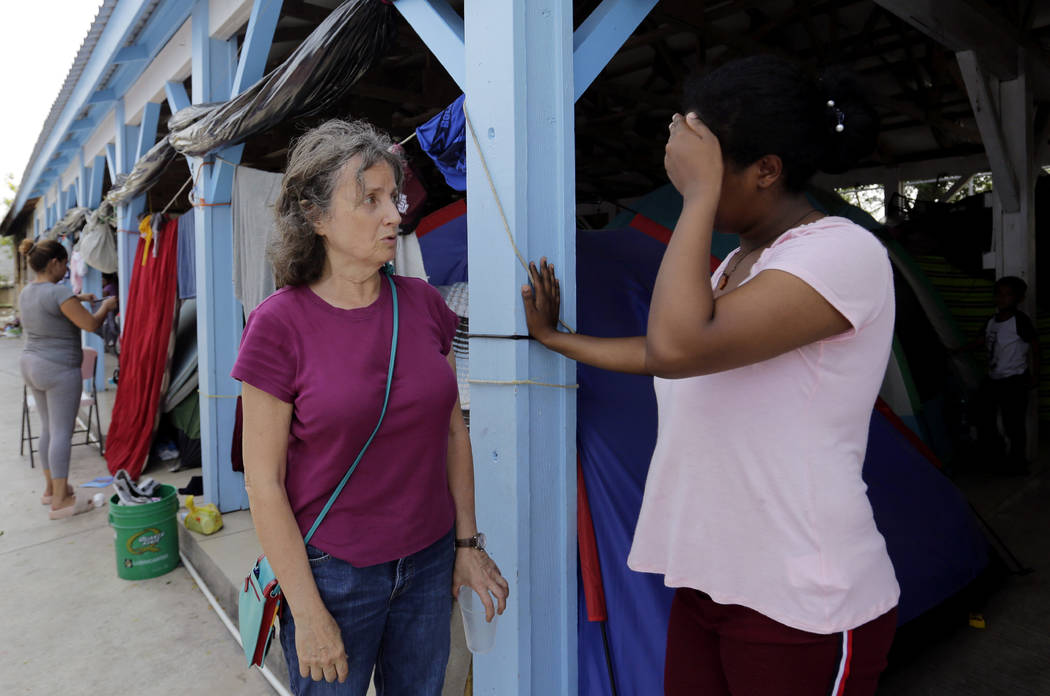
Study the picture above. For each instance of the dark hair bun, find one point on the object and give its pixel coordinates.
(859, 120)
(25, 247)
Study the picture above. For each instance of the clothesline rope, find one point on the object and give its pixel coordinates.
(499, 203)
(218, 396)
(516, 382)
(189, 180)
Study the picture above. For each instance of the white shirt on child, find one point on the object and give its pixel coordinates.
(754, 494)
(1007, 350)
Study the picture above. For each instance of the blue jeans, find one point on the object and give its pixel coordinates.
(394, 618)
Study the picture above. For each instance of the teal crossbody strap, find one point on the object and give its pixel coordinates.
(386, 399)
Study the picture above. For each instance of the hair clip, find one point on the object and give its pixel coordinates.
(839, 116)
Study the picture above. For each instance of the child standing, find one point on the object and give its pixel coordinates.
(1013, 368)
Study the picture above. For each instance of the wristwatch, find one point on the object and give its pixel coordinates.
(475, 542)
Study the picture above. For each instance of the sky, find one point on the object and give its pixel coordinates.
(38, 41)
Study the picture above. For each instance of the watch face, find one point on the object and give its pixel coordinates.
(479, 540)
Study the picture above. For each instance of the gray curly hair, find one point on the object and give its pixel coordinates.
(315, 163)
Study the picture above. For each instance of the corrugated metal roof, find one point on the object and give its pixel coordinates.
(105, 10)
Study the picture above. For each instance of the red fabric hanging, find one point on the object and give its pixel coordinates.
(144, 350)
(590, 567)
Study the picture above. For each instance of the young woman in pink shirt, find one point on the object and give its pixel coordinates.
(765, 376)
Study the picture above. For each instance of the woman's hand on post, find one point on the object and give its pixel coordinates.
(693, 159)
(477, 571)
(319, 645)
(542, 299)
(110, 304)
(86, 297)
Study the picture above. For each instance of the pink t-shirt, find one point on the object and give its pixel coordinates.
(331, 364)
(754, 494)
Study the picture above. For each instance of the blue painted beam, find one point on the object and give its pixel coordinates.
(94, 189)
(131, 54)
(147, 129)
(519, 97)
(66, 147)
(441, 29)
(112, 163)
(119, 159)
(82, 179)
(91, 197)
(220, 316)
(256, 47)
(101, 96)
(82, 124)
(177, 97)
(600, 36)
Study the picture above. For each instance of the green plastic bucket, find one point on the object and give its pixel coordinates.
(146, 536)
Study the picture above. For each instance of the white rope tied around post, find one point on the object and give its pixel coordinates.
(521, 260)
(499, 203)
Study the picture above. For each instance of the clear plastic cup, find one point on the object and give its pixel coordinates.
(481, 634)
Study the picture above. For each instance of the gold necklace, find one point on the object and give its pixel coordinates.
(724, 280)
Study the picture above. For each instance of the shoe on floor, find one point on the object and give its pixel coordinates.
(46, 499)
(79, 505)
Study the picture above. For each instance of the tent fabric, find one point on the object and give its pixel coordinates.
(443, 243)
(183, 371)
(145, 347)
(935, 544)
(936, 547)
(443, 138)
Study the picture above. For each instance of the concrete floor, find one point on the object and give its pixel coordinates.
(70, 625)
(1012, 654)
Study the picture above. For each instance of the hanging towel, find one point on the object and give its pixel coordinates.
(254, 193)
(144, 352)
(408, 259)
(187, 263)
(443, 138)
(77, 271)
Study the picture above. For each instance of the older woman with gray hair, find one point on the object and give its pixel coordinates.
(371, 592)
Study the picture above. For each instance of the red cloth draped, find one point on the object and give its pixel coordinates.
(590, 567)
(144, 350)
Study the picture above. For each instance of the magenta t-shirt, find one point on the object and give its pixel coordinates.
(331, 365)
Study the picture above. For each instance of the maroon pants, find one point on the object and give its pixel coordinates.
(729, 650)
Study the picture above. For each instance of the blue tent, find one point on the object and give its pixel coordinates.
(934, 542)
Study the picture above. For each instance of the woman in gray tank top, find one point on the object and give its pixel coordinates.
(52, 318)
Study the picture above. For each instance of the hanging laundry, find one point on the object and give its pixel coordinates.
(413, 194)
(443, 138)
(408, 259)
(457, 298)
(77, 271)
(146, 234)
(187, 261)
(144, 354)
(254, 193)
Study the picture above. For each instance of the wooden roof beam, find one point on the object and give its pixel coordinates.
(965, 25)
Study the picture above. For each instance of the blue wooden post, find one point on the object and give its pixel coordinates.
(217, 76)
(524, 435)
(90, 195)
(127, 138)
(519, 97)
